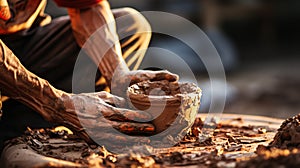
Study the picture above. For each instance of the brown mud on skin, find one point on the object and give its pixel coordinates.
(230, 143)
(170, 103)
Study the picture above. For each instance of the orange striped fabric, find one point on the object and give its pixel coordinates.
(76, 3)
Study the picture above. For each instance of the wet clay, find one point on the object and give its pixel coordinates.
(160, 88)
(288, 134)
(233, 141)
(283, 151)
(170, 103)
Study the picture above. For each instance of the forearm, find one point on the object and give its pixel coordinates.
(95, 31)
(20, 84)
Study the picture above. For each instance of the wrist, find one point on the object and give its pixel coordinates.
(62, 111)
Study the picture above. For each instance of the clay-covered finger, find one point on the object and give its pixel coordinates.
(124, 127)
(102, 126)
(134, 128)
(96, 108)
(105, 125)
(121, 114)
(111, 99)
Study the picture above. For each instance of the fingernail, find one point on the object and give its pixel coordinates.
(130, 129)
(149, 129)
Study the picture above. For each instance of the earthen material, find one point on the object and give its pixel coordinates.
(234, 140)
(169, 102)
(288, 135)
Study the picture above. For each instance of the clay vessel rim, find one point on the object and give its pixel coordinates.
(194, 90)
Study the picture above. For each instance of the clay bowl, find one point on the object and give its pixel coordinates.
(168, 102)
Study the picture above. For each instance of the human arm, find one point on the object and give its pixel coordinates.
(93, 111)
(95, 31)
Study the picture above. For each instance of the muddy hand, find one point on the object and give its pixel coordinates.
(95, 115)
(90, 114)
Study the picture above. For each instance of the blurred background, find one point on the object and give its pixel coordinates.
(257, 40)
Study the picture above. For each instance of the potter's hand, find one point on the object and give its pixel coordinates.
(95, 31)
(122, 80)
(93, 114)
(94, 111)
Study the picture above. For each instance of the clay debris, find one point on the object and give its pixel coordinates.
(226, 146)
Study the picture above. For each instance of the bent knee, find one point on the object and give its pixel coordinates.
(137, 18)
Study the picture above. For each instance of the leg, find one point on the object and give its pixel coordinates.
(135, 34)
(49, 51)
